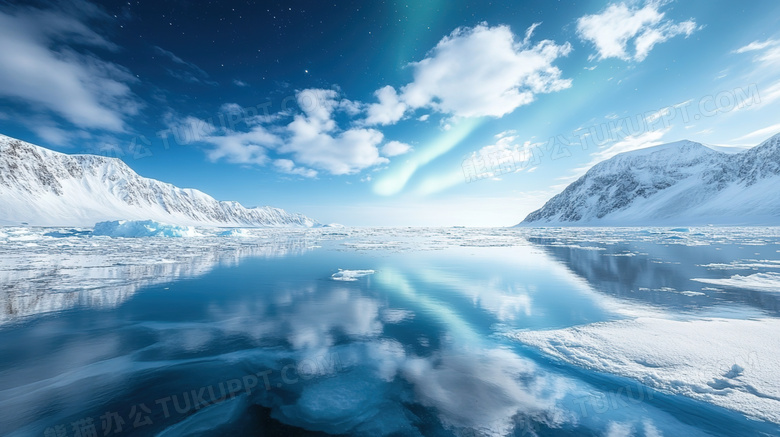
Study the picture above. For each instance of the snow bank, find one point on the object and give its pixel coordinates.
(729, 363)
(760, 282)
(138, 229)
(350, 275)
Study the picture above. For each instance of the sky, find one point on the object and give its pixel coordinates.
(434, 113)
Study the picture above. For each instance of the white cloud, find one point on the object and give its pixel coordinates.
(617, 27)
(315, 140)
(234, 147)
(757, 45)
(240, 83)
(230, 108)
(395, 148)
(241, 147)
(501, 74)
(769, 50)
(389, 110)
(52, 134)
(38, 68)
(287, 166)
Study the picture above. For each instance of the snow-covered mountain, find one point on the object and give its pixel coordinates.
(46, 188)
(682, 183)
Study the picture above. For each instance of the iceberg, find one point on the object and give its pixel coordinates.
(140, 229)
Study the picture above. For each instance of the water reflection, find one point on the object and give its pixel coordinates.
(272, 341)
(103, 273)
(662, 274)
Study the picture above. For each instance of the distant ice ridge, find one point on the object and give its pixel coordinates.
(681, 183)
(41, 187)
(350, 275)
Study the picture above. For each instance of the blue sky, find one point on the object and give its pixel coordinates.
(386, 113)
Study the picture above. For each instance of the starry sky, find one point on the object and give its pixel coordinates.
(386, 113)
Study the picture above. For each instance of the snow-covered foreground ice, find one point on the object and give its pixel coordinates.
(731, 363)
(234, 331)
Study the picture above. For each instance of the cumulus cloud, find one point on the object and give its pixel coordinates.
(620, 26)
(501, 74)
(232, 146)
(39, 66)
(395, 148)
(315, 140)
(231, 108)
(389, 110)
(289, 167)
(242, 147)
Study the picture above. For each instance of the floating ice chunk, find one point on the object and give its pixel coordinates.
(350, 275)
(146, 228)
(760, 282)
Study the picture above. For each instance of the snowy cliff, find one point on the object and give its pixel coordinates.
(46, 188)
(681, 183)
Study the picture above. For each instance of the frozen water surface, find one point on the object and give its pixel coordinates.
(400, 331)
